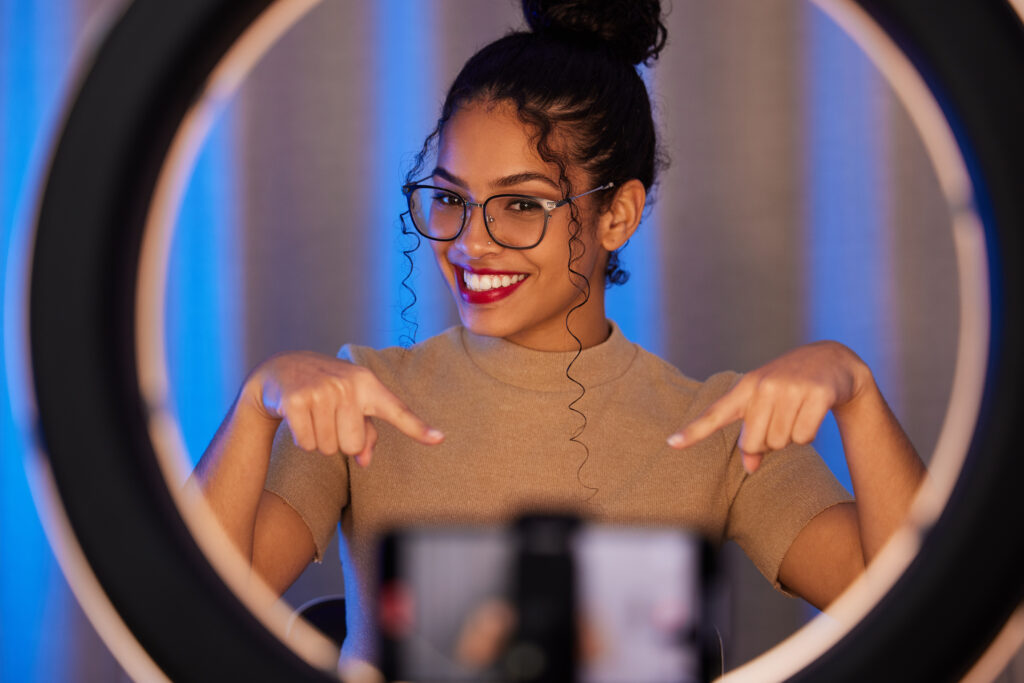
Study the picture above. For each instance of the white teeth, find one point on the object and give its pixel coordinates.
(484, 283)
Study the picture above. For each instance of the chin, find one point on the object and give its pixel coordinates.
(480, 325)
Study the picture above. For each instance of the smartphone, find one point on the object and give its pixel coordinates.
(549, 598)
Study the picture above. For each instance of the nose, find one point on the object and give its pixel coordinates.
(474, 241)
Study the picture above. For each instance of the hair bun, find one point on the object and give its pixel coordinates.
(632, 29)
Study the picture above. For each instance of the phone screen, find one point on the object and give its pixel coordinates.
(640, 595)
(465, 604)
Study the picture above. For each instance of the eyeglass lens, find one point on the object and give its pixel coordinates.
(512, 220)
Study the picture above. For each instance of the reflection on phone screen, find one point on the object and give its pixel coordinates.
(451, 605)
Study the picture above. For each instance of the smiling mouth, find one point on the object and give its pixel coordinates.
(476, 282)
(486, 287)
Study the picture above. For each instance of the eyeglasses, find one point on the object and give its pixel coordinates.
(514, 221)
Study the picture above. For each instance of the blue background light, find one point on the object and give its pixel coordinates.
(636, 306)
(405, 94)
(847, 254)
(204, 317)
(34, 54)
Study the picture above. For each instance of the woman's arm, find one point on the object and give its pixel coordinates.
(785, 402)
(234, 467)
(327, 404)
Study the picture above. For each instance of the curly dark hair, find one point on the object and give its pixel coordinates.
(575, 71)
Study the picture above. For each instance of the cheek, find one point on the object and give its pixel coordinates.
(552, 254)
(556, 253)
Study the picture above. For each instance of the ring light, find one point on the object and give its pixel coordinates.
(128, 535)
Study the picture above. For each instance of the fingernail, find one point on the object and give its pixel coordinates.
(677, 441)
(434, 435)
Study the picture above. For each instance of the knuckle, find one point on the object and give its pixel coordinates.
(802, 437)
(772, 387)
(748, 379)
(294, 402)
(347, 398)
(338, 383)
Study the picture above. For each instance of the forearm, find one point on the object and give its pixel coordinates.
(233, 470)
(884, 467)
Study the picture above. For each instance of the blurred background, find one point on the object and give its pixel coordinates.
(799, 205)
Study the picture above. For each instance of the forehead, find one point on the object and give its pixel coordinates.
(484, 141)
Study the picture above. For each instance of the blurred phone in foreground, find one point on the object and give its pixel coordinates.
(548, 599)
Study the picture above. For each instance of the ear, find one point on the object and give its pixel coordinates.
(619, 221)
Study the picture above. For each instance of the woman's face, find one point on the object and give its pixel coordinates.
(485, 150)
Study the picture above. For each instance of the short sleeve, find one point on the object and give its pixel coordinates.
(313, 484)
(773, 505)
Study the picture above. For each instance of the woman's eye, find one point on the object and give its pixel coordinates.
(522, 205)
(446, 199)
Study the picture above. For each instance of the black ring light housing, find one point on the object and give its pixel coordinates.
(934, 622)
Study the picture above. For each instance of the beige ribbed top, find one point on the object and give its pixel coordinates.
(505, 413)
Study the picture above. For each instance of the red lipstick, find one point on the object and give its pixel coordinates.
(489, 296)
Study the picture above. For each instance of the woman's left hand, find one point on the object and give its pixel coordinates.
(784, 401)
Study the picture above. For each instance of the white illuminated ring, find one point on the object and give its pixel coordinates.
(142, 566)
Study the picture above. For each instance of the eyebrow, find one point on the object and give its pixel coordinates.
(504, 182)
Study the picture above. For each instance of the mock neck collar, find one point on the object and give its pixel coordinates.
(545, 370)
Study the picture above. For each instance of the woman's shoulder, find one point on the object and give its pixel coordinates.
(664, 388)
(659, 371)
(391, 359)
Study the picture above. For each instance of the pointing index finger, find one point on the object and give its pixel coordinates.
(726, 410)
(390, 408)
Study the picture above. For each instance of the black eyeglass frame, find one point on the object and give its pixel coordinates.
(548, 205)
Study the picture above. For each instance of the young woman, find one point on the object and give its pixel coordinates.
(537, 173)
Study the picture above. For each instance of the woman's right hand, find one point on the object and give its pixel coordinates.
(328, 403)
